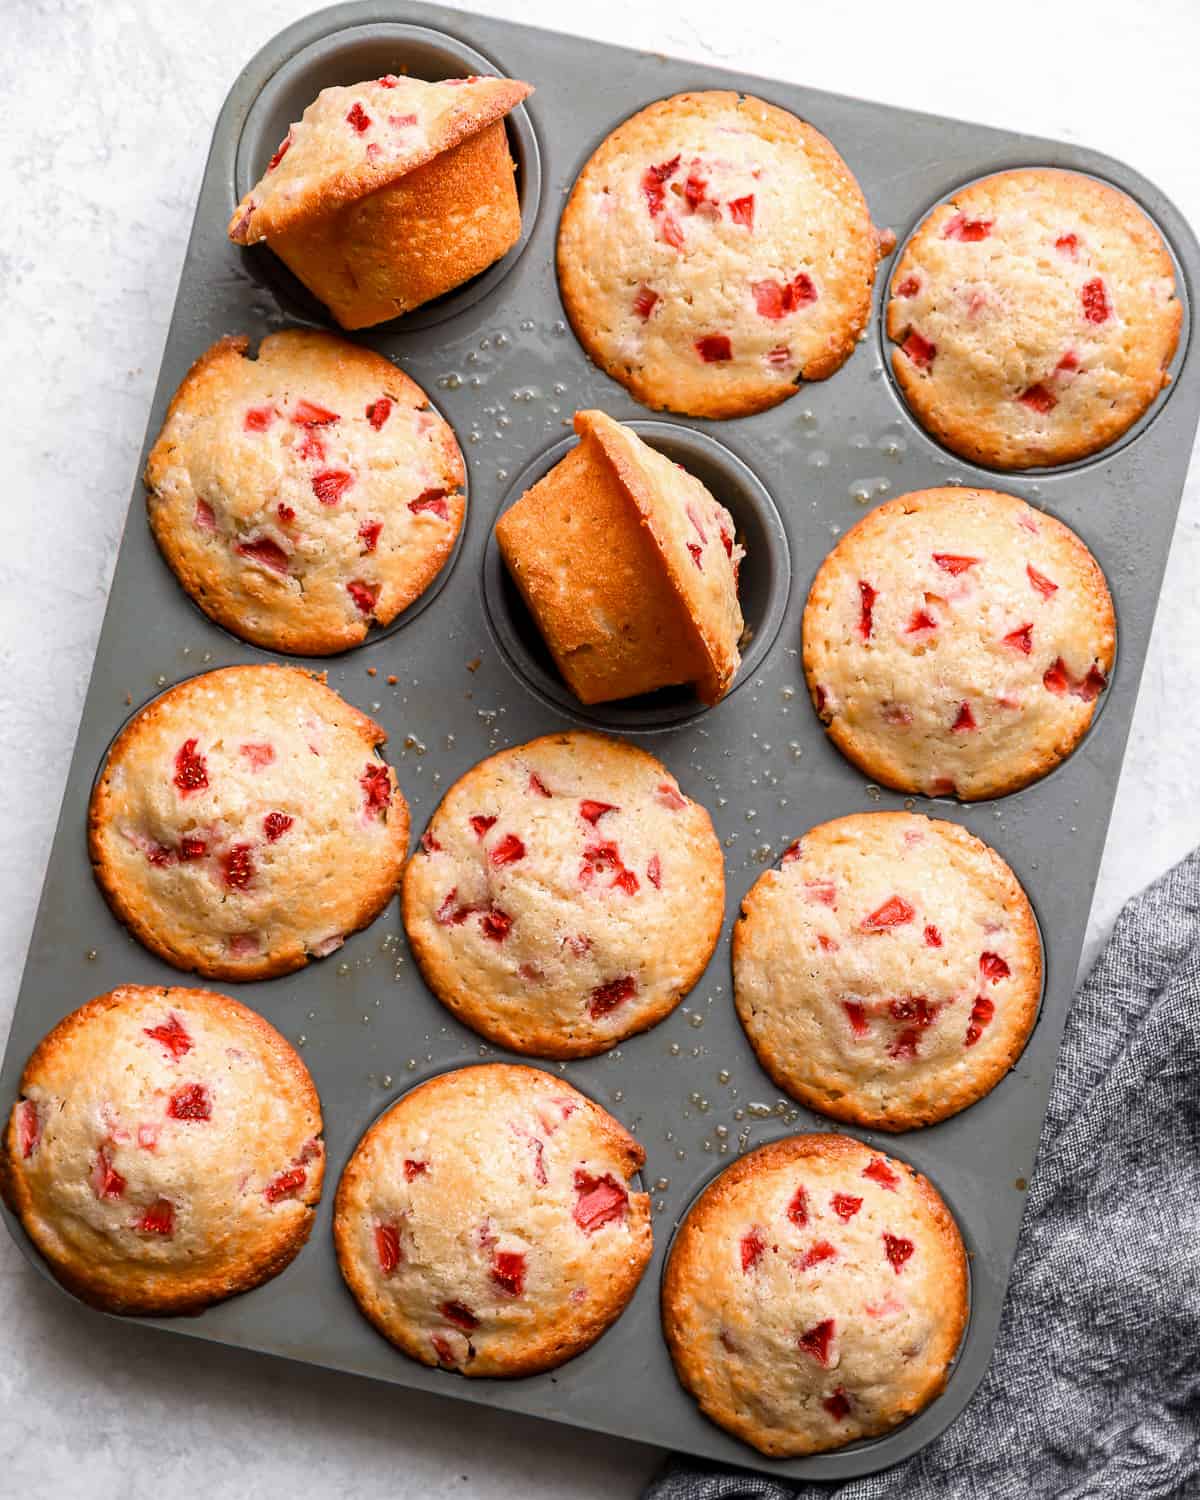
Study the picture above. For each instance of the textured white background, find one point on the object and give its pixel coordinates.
(107, 111)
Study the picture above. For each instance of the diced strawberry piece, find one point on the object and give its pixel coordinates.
(310, 1151)
(376, 787)
(258, 754)
(965, 719)
(867, 597)
(442, 1349)
(952, 563)
(1096, 306)
(379, 411)
(1092, 685)
(368, 534)
(1055, 677)
(694, 188)
(820, 892)
(331, 484)
(933, 937)
(309, 414)
(1067, 244)
(387, 1247)
(237, 866)
(894, 912)
(191, 1102)
(508, 1272)
(644, 302)
(909, 287)
(203, 518)
(597, 859)
(591, 812)
(450, 914)
(414, 1169)
(613, 992)
(1040, 582)
(714, 347)
(897, 1250)
(481, 822)
(653, 179)
(921, 620)
(598, 1201)
(671, 232)
(29, 1128)
(981, 1013)
(797, 1209)
(820, 1250)
(969, 230)
(275, 825)
(906, 1044)
(817, 1341)
(697, 558)
(827, 944)
(160, 855)
(311, 449)
(741, 210)
(879, 1171)
(654, 872)
(258, 418)
(402, 122)
(856, 1014)
(433, 501)
(845, 1206)
(837, 1405)
(159, 1218)
(282, 152)
(172, 1035)
(429, 843)
(752, 1247)
(508, 850)
(192, 848)
(670, 796)
(266, 552)
(537, 786)
(1038, 398)
(191, 770)
(625, 880)
(460, 1315)
(1067, 364)
(780, 355)
(359, 118)
(496, 924)
(727, 543)
(285, 513)
(919, 350)
(800, 292)
(286, 1185)
(793, 852)
(993, 967)
(363, 594)
(913, 1008)
(1020, 639)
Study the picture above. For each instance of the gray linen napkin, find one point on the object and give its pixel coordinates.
(1094, 1389)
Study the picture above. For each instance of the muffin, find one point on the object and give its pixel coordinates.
(305, 494)
(244, 822)
(164, 1151)
(487, 1222)
(815, 1294)
(1035, 314)
(565, 895)
(389, 193)
(629, 567)
(715, 252)
(889, 972)
(956, 643)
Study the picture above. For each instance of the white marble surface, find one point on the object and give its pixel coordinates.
(108, 110)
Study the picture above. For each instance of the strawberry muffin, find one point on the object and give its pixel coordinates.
(487, 1222)
(715, 252)
(657, 603)
(956, 642)
(244, 822)
(165, 1150)
(889, 972)
(306, 494)
(565, 895)
(1034, 316)
(816, 1294)
(389, 193)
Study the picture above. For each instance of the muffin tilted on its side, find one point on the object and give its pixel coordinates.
(629, 567)
(389, 193)
(165, 1151)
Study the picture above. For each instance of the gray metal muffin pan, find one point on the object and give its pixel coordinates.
(498, 358)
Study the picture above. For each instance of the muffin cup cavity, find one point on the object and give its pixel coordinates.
(763, 584)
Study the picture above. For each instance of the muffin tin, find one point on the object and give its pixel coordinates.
(472, 676)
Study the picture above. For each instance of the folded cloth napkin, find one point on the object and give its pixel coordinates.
(1094, 1388)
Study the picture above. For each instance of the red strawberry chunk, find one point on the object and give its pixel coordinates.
(203, 518)
(429, 843)
(773, 300)
(867, 597)
(363, 594)
(387, 1247)
(259, 755)
(894, 912)
(952, 563)
(919, 350)
(845, 1206)
(645, 302)
(696, 553)
(237, 866)
(981, 1013)
(654, 872)
(671, 232)
(1096, 306)
(714, 347)
(496, 924)
(653, 179)
(1020, 639)
(172, 1035)
(752, 1247)
(368, 534)
(780, 355)
(433, 501)
(1069, 362)
(450, 914)
(282, 151)
(309, 414)
(879, 1171)
(537, 786)
(856, 1014)
(670, 796)
(913, 1008)
(598, 1201)
(268, 553)
(29, 1128)
(106, 1181)
(311, 448)
(191, 771)
(191, 1102)
(817, 1341)
(741, 210)
(921, 620)
(968, 230)
(285, 513)
(591, 812)
(827, 944)
(286, 1185)
(414, 1169)
(508, 1272)
(613, 992)
(192, 848)
(625, 880)
(933, 937)
(1057, 679)
(965, 719)
(460, 1315)
(331, 484)
(359, 118)
(820, 892)
(481, 822)
(837, 1405)
(379, 411)
(508, 850)
(160, 855)
(442, 1349)
(1067, 244)
(1040, 582)
(797, 1209)
(695, 187)
(820, 1250)
(897, 1250)
(993, 967)
(909, 287)
(1038, 398)
(275, 825)
(159, 1218)
(258, 418)
(597, 859)
(376, 787)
